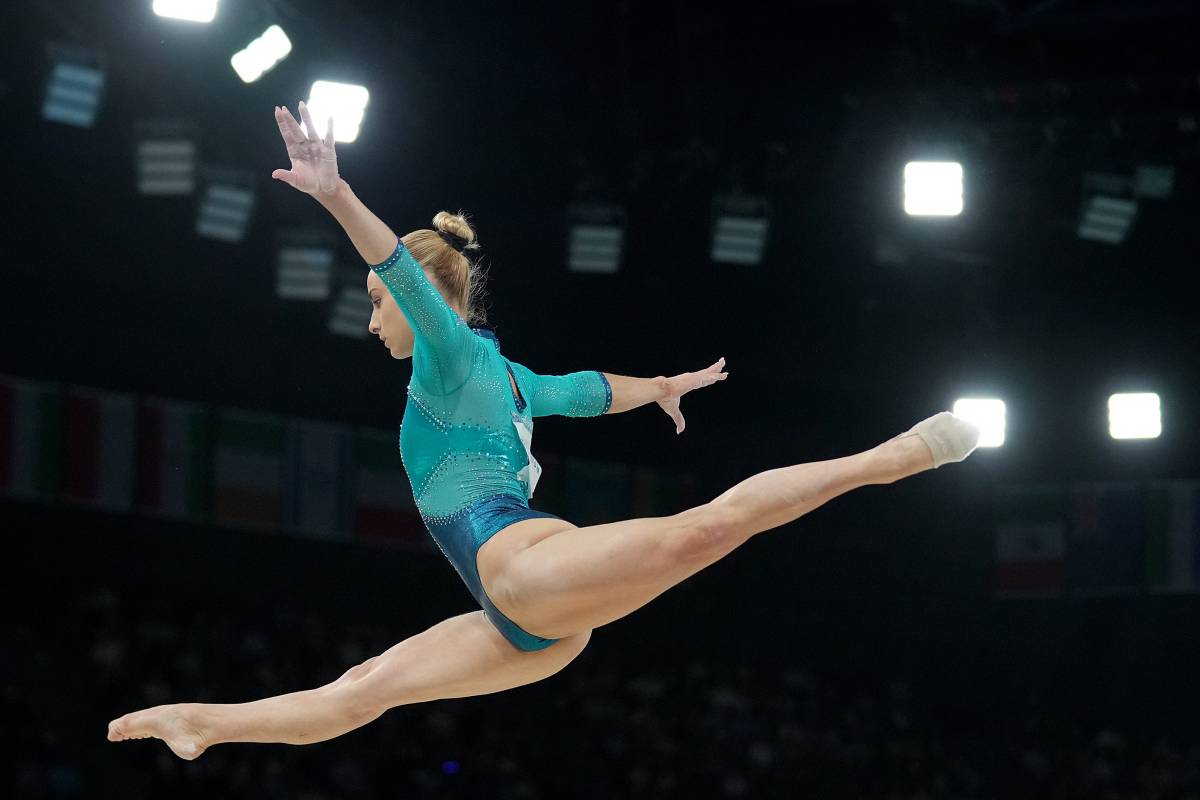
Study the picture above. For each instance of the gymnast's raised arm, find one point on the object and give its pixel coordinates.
(314, 172)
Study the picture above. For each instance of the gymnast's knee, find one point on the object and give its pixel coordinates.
(706, 531)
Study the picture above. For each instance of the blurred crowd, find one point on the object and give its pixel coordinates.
(614, 724)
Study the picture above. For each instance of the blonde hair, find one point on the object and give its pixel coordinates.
(457, 277)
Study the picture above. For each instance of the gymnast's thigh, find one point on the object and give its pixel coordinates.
(494, 554)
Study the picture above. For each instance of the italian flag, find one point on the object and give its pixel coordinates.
(248, 469)
(1031, 542)
(98, 449)
(174, 459)
(383, 502)
(1173, 536)
(30, 438)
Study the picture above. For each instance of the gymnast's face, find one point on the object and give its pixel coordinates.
(387, 320)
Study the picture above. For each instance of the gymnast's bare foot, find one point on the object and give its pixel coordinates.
(174, 724)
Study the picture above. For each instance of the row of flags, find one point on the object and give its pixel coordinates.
(1098, 538)
(189, 461)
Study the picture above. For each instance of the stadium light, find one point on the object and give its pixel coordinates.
(304, 265)
(988, 414)
(1154, 181)
(740, 230)
(345, 102)
(351, 312)
(1107, 219)
(74, 88)
(190, 10)
(1134, 416)
(258, 57)
(166, 158)
(224, 211)
(1109, 212)
(596, 237)
(933, 188)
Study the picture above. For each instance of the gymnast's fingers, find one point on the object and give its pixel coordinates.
(313, 136)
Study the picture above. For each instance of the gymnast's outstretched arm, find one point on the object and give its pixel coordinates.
(592, 393)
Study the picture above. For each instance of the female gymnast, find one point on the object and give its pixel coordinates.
(543, 584)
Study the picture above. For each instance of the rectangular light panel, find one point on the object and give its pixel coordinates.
(345, 102)
(261, 55)
(988, 414)
(933, 188)
(190, 10)
(1134, 416)
(73, 94)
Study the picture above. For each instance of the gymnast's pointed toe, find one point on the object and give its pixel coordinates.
(950, 438)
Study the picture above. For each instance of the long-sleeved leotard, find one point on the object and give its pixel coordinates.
(465, 438)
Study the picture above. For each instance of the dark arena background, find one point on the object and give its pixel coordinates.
(200, 489)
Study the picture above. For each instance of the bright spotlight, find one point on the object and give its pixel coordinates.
(1134, 416)
(260, 55)
(345, 102)
(933, 188)
(988, 414)
(190, 10)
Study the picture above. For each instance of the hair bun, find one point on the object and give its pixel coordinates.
(456, 225)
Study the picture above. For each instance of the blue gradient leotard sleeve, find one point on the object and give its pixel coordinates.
(442, 341)
(577, 394)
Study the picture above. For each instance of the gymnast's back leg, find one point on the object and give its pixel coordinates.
(459, 657)
(582, 578)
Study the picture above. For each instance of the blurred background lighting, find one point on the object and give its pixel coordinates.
(304, 266)
(740, 231)
(260, 55)
(1134, 416)
(596, 237)
(988, 414)
(933, 188)
(345, 102)
(190, 10)
(73, 94)
(224, 212)
(166, 158)
(1107, 219)
(351, 312)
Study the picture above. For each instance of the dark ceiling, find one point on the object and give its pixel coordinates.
(513, 111)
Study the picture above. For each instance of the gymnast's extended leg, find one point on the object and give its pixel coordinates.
(582, 578)
(460, 657)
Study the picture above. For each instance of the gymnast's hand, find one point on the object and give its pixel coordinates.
(314, 162)
(680, 385)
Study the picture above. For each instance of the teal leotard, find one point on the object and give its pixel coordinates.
(465, 438)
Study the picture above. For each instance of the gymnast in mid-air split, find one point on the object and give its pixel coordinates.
(542, 583)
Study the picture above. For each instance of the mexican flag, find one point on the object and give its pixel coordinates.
(1173, 536)
(30, 438)
(174, 459)
(383, 504)
(1031, 541)
(248, 462)
(98, 448)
